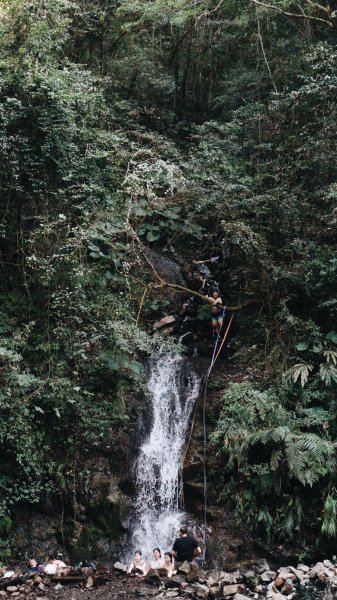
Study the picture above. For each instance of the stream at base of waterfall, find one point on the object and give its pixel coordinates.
(173, 388)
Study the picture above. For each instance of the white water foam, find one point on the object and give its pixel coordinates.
(174, 388)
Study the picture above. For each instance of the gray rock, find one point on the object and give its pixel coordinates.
(288, 587)
(247, 573)
(277, 596)
(164, 322)
(152, 577)
(319, 568)
(120, 567)
(267, 576)
(185, 567)
(230, 590)
(210, 582)
(175, 581)
(58, 586)
(194, 573)
(202, 591)
(303, 568)
(260, 566)
(284, 571)
(215, 591)
(12, 588)
(230, 577)
(271, 589)
(241, 597)
(41, 586)
(190, 588)
(215, 574)
(299, 574)
(172, 594)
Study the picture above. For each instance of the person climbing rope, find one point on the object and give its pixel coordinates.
(217, 311)
(204, 274)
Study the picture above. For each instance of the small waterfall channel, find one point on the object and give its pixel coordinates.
(173, 387)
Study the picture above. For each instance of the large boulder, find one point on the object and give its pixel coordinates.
(164, 322)
(175, 581)
(320, 569)
(185, 567)
(120, 567)
(193, 574)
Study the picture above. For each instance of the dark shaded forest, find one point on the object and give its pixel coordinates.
(181, 129)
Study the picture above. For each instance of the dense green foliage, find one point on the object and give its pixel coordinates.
(191, 128)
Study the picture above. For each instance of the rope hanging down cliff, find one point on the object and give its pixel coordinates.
(216, 352)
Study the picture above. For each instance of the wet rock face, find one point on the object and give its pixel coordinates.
(94, 528)
(36, 534)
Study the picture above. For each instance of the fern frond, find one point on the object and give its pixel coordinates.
(301, 371)
(330, 356)
(308, 458)
(329, 527)
(296, 462)
(275, 459)
(328, 373)
(280, 433)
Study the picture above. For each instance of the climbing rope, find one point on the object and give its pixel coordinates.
(215, 355)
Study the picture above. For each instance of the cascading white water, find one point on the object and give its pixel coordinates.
(158, 507)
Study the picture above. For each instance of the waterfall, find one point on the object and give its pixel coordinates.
(173, 390)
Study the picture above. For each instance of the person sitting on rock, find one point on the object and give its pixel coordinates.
(155, 568)
(53, 565)
(138, 565)
(157, 561)
(33, 566)
(169, 564)
(185, 547)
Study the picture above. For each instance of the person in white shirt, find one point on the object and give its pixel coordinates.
(138, 565)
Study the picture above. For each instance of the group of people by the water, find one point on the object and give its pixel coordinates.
(52, 566)
(185, 548)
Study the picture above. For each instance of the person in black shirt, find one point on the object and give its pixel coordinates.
(185, 547)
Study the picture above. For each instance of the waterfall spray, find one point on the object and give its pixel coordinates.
(158, 506)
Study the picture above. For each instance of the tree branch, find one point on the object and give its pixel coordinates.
(259, 35)
(176, 286)
(289, 14)
(185, 290)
